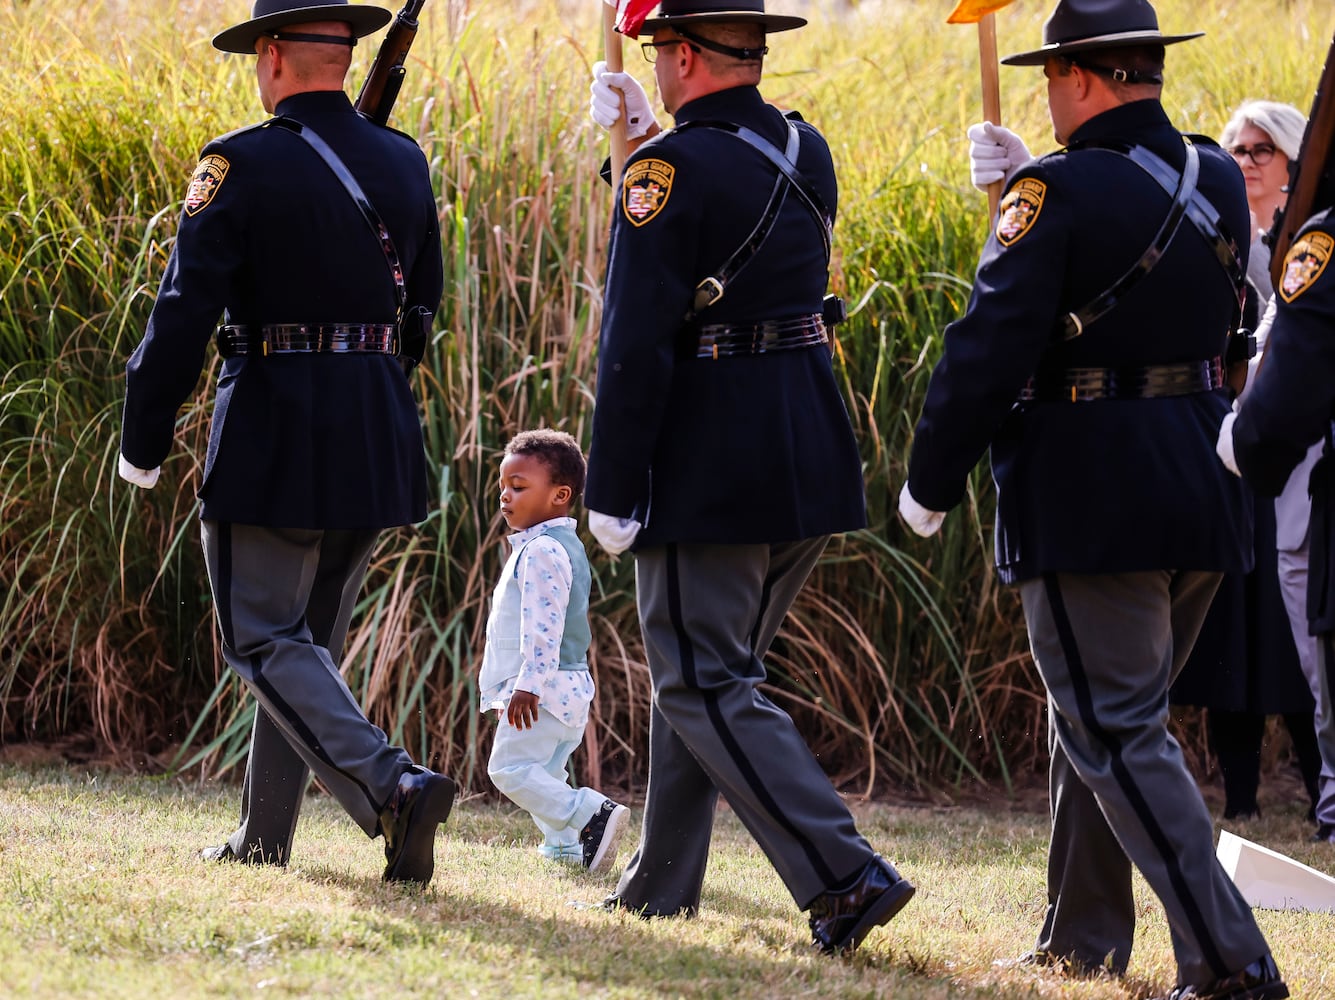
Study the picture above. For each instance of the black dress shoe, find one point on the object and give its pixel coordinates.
(223, 853)
(1258, 981)
(614, 902)
(1062, 965)
(219, 853)
(420, 803)
(1325, 833)
(841, 919)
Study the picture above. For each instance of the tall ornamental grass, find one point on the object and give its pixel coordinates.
(903, 661)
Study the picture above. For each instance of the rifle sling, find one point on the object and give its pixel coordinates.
(358, 196)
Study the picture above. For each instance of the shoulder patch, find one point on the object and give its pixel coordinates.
(1019, 210)
(204, 183)
(645, 189)
(1306, 260)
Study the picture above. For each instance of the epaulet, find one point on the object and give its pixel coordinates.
(1201, 140)
(794, 116)
(655, 139)
(1320, 219)
(244, 129)
(390, 128)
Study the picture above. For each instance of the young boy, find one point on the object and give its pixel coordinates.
(534, 671)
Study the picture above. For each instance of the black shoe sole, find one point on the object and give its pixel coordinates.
(416, 861)
(881, 912)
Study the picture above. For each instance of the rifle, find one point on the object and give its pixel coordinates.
(381, 89)
(1311, 176)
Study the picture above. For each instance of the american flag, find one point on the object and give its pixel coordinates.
(631, 14)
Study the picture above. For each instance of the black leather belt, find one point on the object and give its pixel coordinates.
(1076, 385)
(236, 340)
(730, 340)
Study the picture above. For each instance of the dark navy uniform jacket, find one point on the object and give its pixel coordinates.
(1108, 485)
(740, 449)
(1292, 403)
(270, 235)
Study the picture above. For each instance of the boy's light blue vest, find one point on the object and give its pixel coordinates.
(502, 659)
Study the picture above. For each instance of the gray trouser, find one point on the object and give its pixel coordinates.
(1108, 646)
(709, 614)
(284, 598)
(1316, 668)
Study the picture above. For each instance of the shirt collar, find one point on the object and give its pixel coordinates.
(1117, 122)
(725, 104)
(531, 532)
(313, 101)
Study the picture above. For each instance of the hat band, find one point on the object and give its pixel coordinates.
(1148, 35)
(728, 50)
(305, 36)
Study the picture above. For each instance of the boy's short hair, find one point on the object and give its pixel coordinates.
(558, 451)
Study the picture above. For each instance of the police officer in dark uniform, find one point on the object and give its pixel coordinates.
(316, 444)
(723, 452)
(1290, 407)
(1091, 361)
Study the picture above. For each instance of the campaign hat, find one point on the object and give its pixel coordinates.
(1089, 25)
(270, 15)
(671, 13)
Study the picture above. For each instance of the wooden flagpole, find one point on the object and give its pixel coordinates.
(612, 54)
(987, 58)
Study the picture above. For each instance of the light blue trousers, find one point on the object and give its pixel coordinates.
(529, 767)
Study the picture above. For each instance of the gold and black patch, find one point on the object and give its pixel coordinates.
(1306, 260)
(646, 189)
(205, 182)
(1019, 210)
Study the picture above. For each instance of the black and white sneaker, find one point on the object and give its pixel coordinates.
(601, 836)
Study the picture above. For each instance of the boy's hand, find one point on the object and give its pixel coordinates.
(522, 712)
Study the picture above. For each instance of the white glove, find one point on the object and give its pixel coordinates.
(615, 534)
(605, 101)
(145, 479)
(994, 154)
(1224, 446)
(924, 522)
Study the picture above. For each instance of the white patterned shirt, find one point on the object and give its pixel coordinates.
(543, 573)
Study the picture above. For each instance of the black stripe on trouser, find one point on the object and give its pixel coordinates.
(280, 705)
(1085, 702)
(716, 719)
(1326, 664)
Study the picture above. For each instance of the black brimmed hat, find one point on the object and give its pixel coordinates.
(269, 15)
(1087, 25)
(671, 13)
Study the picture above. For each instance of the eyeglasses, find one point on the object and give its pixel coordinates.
(650, 49)
(1260, 154)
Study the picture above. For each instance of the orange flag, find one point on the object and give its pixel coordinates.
(973, 11)
(980, 12)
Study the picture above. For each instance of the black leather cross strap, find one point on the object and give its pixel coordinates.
(1079, 385)
(811, 198)
(710, 290)
(1182, 189)
(363, 203)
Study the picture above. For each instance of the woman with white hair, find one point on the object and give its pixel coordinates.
(1264, 138)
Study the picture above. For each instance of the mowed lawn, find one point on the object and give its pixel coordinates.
(102, 895)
